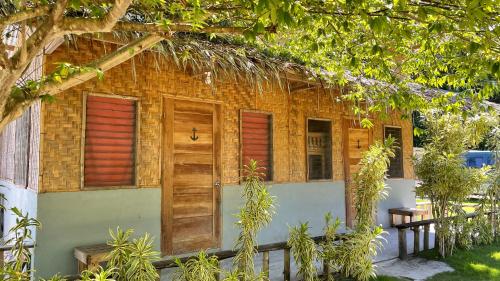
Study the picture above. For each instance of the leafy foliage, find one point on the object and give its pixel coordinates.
(256, 213)
(405, 45)
(369, 181)
(201, 268)
(16, 267)
(330, 243)
(445, 179)
(132, 259)
(304, 251)
(353, 256)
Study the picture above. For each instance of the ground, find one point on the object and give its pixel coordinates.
(480, 263)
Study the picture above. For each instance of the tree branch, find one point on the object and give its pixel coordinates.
(80, 26)
(105, 63)
(24, 15)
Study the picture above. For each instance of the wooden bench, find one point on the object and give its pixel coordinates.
(406, 212)
(90, 257)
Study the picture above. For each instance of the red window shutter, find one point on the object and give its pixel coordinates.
(109, 142)
(257, 140)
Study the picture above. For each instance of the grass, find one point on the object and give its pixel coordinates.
(480, 263)
(469, 206)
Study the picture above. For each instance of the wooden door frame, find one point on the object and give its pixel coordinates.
(166, 226)
(347, 123)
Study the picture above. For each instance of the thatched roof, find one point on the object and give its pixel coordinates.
(227, 58)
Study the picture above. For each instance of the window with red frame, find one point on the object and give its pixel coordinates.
(256, 141)
(110, 133)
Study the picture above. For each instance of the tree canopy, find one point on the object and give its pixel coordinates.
(405, 45)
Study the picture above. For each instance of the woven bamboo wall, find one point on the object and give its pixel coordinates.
(62, 125)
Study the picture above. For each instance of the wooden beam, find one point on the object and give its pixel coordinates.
(107, 62)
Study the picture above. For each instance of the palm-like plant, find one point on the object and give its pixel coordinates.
(304, 251)
(255, 214)
(132, 259)
(201, 268)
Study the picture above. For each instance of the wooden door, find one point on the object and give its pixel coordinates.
(191, 176)
(356, 141)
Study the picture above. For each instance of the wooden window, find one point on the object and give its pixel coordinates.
(22, 148)
(319, 149)
(110, 134)
(396, 164)
(256, 140)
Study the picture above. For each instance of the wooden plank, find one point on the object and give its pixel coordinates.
(93, 155)
(194, 189)
(198, 119)
(192, 227)
(403, 252)
(110, 107)
(184, 138)
(110, 120)
(192, 158)
(265, 263)
(416, 240)
(205, 148)
(125, 178)
(113, 142)
(109, 170)
(110, 128)
(167, 177)
(110, 113)
(217, 173)
(286, 264)
(190, 169)
(192, 180)
(193, 107)
(109, 134)
(192, 205)
(111, 100)
(108, 149)
(426, 236)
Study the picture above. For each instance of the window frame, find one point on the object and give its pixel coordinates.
(331, 149)
(135, 183)
(401, 150)
(271, 138)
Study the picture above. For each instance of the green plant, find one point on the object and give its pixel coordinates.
(464, 230)
(132, 259)
(16, 268)
(354, 256)
(99, 274)
(445, 179)
(203, 268)
(369, 181)
(330, 244)
(256, 213)
(304, 251)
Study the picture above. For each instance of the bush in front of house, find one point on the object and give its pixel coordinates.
(353, 255)
(446, 180)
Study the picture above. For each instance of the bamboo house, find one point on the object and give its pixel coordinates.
(158, 145)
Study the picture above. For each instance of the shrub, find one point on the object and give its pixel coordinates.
(255, 214)
(133, 260)
(445, 179)
(304, 251)
(201, 268)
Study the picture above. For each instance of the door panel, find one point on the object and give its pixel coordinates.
(190, 207)
(356, 141)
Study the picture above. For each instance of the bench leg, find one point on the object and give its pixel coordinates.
(391, 218)
(403, 253)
